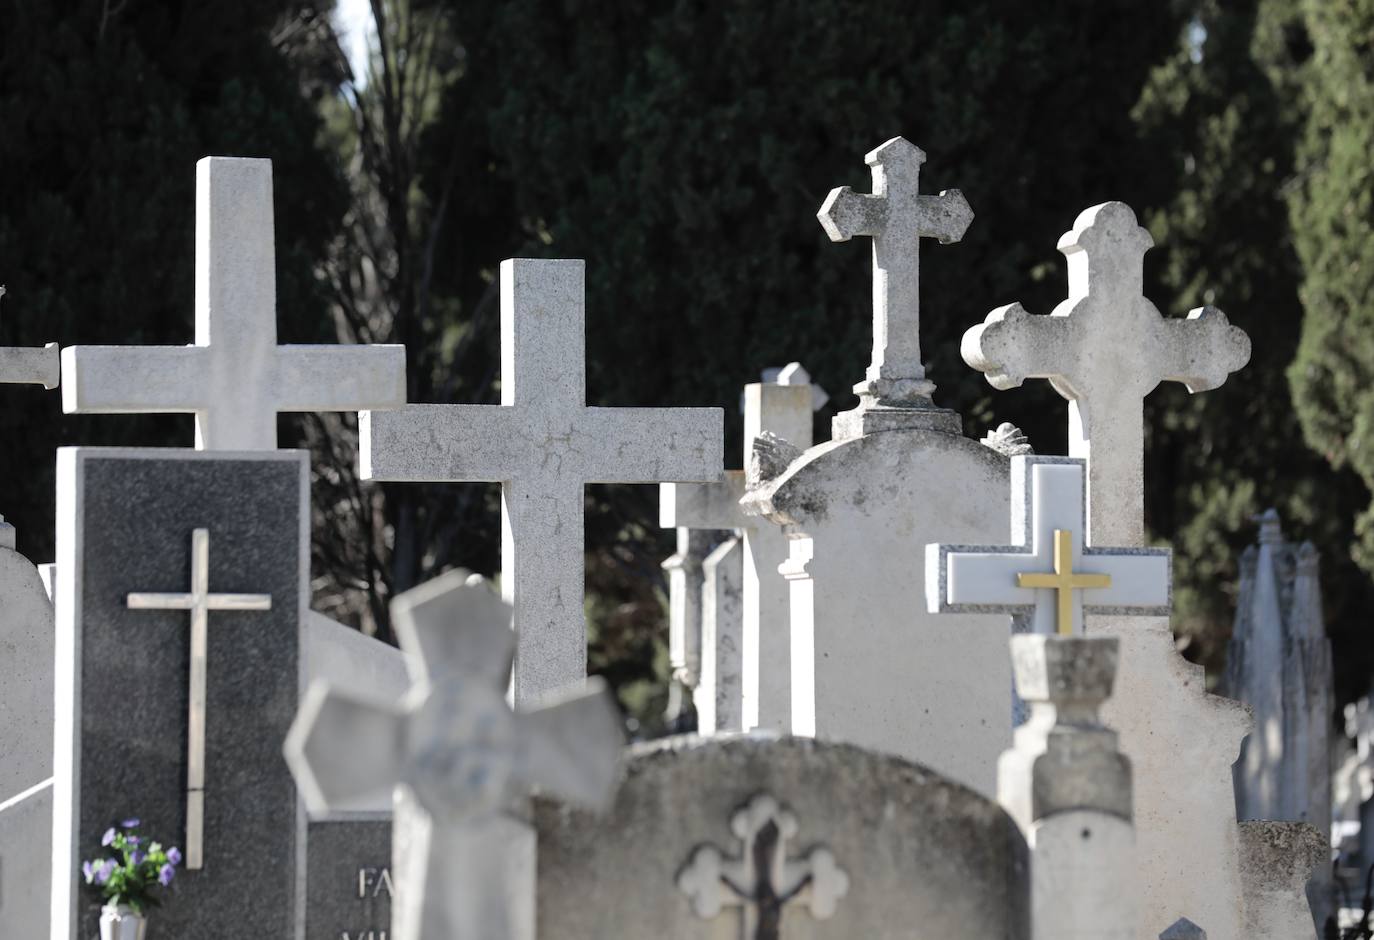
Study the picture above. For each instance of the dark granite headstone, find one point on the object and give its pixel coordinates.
(348, 896)
(125, 524)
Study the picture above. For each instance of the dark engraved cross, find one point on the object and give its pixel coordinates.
(762, 881)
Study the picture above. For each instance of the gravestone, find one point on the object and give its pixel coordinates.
(1104, 349)
(235, 378)
(543, 444)
(781, 407)
(154, 722)
(458, 759)
(755, 836)
(869, 665)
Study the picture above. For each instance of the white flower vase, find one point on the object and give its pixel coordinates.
(121, 922)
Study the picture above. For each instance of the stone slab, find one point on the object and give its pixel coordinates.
(26, 673)
(125, 519)
(25, 863)
(349, 887)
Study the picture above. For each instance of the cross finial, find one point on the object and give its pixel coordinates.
(896, 216)
(21, 365)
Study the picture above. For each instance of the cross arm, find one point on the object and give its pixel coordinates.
(570, 746)
(846, 213)
(945, 217)
(455, 623)
(340, 378)
(25, 366)
(1205, 349)
(440, 443)
(1011, 345)
(704, 505)
(126, 380)
(651, 445)
(342, 747)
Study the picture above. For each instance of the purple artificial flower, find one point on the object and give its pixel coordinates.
(108, 837)
(88, 870)
(174, 856)
(137, 857)
(129, 823)
(105, 870)
(166, 875)
(133, 840)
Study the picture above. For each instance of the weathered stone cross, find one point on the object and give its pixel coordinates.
(1049, 575)
(459, 759)
(235, 379)
(1104, 349)
(199, 601)
(20, 365)
(897, 217)
(762, 881)
(543, 444)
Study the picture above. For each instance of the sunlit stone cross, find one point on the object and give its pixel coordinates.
(1050, 576)
(543, 445)
(896, 217)
(235, 379)
(22, 365)
(458, 758)
(1104, 349)
(199, 601)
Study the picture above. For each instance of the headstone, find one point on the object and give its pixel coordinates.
(716, 838)
(1104, 349)
(235, 378)
(1069, 788)
(128, 723)
(543, 444)
(782, 408)
(459, 759)
(1050, 577)
(26, 710)
(869, 664)
(720, 693)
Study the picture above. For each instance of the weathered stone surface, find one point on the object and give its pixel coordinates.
(916, 848)
(1277, 861)
(26, 863)
(720, 696)
(684, 614)
(124, 525)
(235, 379)
(543, 444)
(1009, 440)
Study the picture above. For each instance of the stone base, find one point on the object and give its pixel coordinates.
(869, 419)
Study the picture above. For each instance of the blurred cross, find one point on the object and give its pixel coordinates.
(28, 365)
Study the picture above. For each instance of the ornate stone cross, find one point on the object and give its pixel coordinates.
(22, 365)
(1050, 574)
(543, 444)
(199, 601)
(762, 880)
(459, 759)
(235, 379)
(896, 216)
(1104, 349)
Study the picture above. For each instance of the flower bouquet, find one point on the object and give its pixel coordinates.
(130, 877)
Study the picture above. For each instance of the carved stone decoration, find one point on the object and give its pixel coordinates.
(771, 457)
(762, 880)
(1008, 439)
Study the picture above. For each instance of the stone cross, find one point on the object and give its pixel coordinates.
(21, 365)
(783, 408)
(199, 601)
(1104, 349)
(896, 217)
(460, 759)
(1051, 574)
(762, 880)
(235, 379)
(543, 444)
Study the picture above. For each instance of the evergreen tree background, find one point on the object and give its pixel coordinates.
(683, 150)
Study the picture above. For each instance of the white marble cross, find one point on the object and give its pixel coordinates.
(1050, 575)
(22, 365)
(543, 444)
(235, 379)
(459, 759)
(199, 601)
(1104, 349)
(897, 217)
(762, 880)
(784, 408)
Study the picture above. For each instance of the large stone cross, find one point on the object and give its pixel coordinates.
(543, 444)
(896, 216)
(1104, 349)
(459, 758)
(22, 365)
(1050, 575)
(762, 881)
(235, 379)
(199, 601)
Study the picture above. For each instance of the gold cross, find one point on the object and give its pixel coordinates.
(1064, 579)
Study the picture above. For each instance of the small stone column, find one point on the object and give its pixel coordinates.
(1069, 788)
